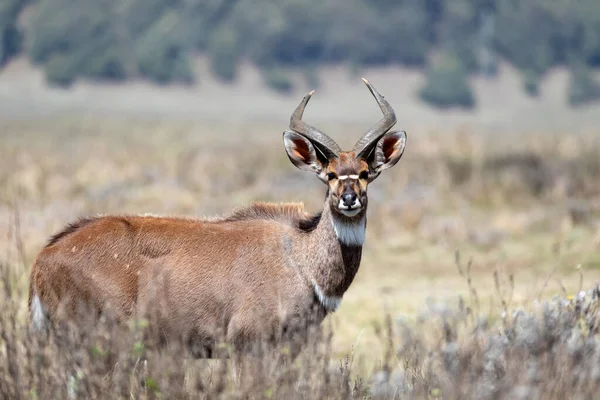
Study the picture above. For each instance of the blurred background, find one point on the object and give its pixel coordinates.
(501, 64)
(178, 106)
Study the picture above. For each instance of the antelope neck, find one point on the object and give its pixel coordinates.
(332, 256)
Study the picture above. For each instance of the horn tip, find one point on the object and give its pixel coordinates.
(365, 81)
(311, 92)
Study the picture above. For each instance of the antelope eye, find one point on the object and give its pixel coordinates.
(331, 176)
(364, 175)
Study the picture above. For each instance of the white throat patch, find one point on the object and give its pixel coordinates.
(351, 234)
(330, 303)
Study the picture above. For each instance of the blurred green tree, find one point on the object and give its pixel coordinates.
(446, 85)
(10, 35)
(583, 88)
(161, 54)
(81, 42)
(224, 53)
(156, 39)
(276, 79)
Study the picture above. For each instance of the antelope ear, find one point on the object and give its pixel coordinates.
(301, 152)
(387, 151)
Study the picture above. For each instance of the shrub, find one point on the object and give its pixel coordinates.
(83, 42)
(108, 65)
(531, 83)
(524, 33)
(276, 79)
(451, 350)
(161, 57)
(166, 66)
(447, 85)
(10, 36)
(154, 38)
(224, 54)
(61, 71)
(582, 87)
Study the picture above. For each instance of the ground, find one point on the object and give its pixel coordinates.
(514, 194)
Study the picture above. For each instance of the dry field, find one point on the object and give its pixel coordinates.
(525, 209)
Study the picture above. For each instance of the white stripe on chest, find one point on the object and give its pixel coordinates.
(331, 303)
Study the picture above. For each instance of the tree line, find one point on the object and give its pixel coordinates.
(114, 40)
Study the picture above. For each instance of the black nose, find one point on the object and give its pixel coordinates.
(349, 199)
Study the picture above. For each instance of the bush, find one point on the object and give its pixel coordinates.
(161, 57)
(277, 80)
(83, 42)
(223, 52)
(525, 33)
(61, 71)
(168, 65)
(451, 350)
(582, 87)
(447, 85)
(549, 351)
(10, 43)
(154, 38)
(531, 83)
(10, 36)
(458, 32)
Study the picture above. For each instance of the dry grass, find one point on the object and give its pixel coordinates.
(526, 206)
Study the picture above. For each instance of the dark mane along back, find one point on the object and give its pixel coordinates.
(70, 228)
(290, 213)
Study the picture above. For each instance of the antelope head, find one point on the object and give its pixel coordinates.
(346, 173)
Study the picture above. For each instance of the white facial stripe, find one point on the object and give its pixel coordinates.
(344, 177)
(331, 303)
(350, 233)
